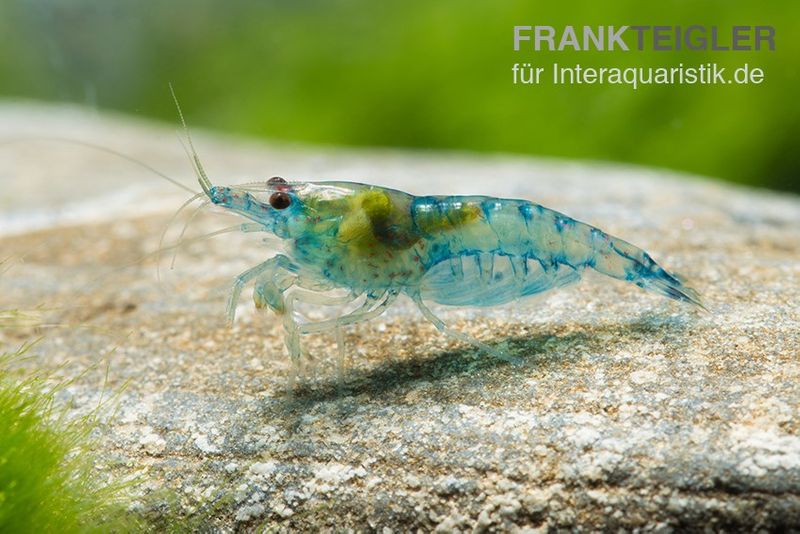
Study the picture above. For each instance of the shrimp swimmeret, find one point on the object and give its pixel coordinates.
(376, 243)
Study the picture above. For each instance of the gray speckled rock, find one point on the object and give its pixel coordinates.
(628, 411)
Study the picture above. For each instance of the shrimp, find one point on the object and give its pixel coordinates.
(377, 243)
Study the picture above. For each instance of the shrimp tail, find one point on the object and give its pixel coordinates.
(624, 261)
(672, 286)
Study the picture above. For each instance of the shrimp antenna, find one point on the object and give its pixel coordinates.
(205, 183)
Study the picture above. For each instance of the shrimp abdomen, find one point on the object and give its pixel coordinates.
(492, 252)
(516, 248)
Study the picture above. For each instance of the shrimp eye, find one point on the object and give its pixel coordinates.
(280, 200)
(276, 180)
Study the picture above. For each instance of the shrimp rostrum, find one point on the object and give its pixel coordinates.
(376, 243)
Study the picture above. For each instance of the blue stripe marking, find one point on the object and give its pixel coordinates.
(487, 207)
(525, 211)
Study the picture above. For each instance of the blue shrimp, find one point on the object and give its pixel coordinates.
(377, 243)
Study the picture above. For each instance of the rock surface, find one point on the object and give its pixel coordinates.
(628, 411)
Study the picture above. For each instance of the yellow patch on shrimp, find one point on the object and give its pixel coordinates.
(369, 214)
(455, 217)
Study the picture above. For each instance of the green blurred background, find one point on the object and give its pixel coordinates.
(413, 73)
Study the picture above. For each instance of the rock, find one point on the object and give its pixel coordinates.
(252, 511)
(627, 412)
(152, 442)
(201, 442)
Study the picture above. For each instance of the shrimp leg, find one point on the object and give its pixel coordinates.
(294, 330)
(367, 310)
(277, 276)
(443, 328)
(364, 312)
(273, 278)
